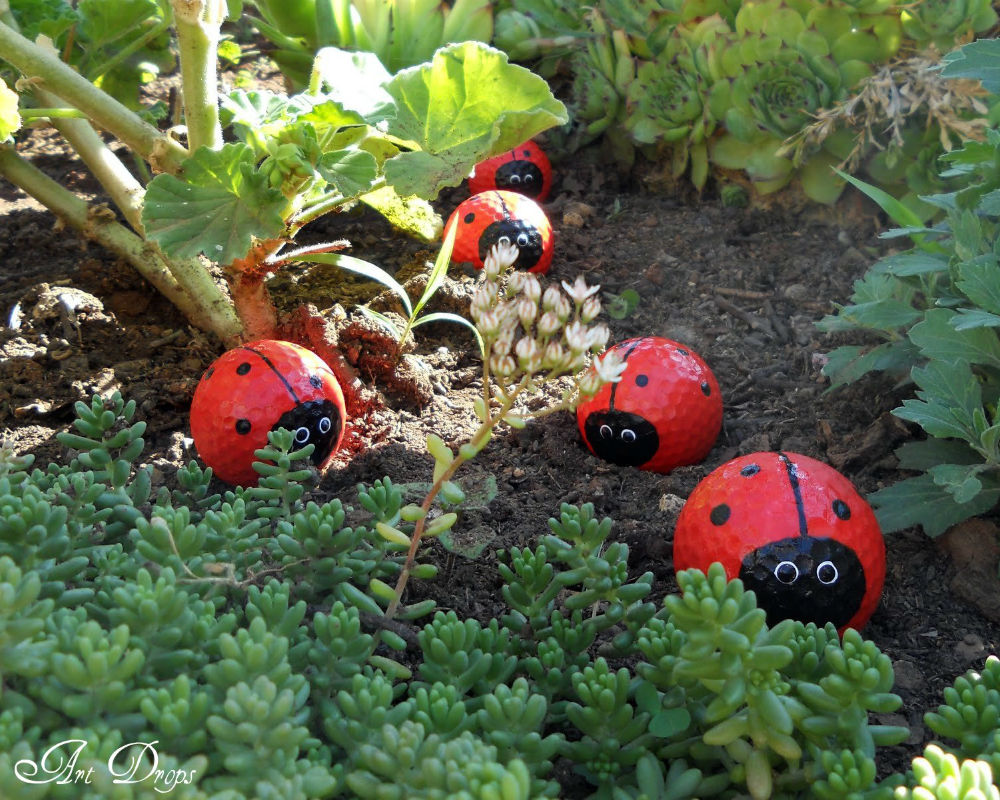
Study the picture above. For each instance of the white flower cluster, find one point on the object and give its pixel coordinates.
(527, 331)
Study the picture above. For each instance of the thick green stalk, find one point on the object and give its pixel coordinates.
(198, 23)
(36, 63)
(193, 291)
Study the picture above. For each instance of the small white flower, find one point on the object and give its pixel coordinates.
(501, 255)
(504, 341)
(515, 282)
(529, 355)
(610, 367)
(591, 308)
(488, 323)
(562, 308)
(548, 324)
(482, 300)
(579, 291)
(577, 337)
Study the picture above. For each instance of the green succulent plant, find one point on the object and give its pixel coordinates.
(947, 23)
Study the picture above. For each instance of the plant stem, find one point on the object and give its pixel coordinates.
(478, 441)
(132, 47)
(198, 23)
(36, 63)
(196, 295)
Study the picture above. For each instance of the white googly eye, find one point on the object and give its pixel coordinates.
(301, 435)
(529, 178)
(827, 573)
(515, 180)
(503, 240)
(786, 572)
(628, 435)
(522, 240)
(324, 425)
(606, 432)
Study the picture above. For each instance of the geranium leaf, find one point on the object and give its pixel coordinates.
(350, 171)
(218, 208)
(467, 104)
(355, 81)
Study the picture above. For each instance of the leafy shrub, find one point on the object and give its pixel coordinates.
(936, 308)
(240, 632)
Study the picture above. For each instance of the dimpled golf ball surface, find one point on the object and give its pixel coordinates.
(794, 530)
(255, 388)
(665, 412)
(488, 218)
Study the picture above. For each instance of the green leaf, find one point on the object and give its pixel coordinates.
(355, 81)
(411, 215)
(921, 455)
(937, 338)
(920, 501)
(904, 264)
(967, 318)
(364, 268)
(622, 305)
(350, 172)
(218, 208)
(10, 119)
(897, 211)
(848, 363)
(445, 316)
(439, 271)
(670, 722)
(387, 323)
(979, 60)
(961, 480)
(980, 280)
(467, 104)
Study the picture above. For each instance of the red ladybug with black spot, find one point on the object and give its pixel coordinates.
(487, 218)
(524, 169)
(259, 387)
(794, 530)
(665, 412)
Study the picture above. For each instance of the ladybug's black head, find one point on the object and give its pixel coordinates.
(621, 437)
(804, 578)
(520, 176)
(525, 237)
(315, 422)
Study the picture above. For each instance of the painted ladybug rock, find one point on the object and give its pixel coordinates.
(792, 529)
(525, 169)
(256, 388)
(487, 218)
(664, 413)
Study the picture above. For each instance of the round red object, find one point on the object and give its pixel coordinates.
(525, 169)
(664, 413)
(256, 388)
(794, 530)
(486, 218)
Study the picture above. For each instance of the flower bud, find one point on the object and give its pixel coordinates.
(563, 308)
(598, 336)
(590, 383)
(526, 312)
(504, 342)
(548, 324)
(577, 337)
(591, 308)
(554, 355)
(551, 298)
(504, 366)
(489, 323)
(529, 354)
(482, 299)
(531, 287)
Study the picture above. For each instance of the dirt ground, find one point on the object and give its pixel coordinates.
(741, 287)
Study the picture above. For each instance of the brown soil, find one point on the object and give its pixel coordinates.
(741, 287)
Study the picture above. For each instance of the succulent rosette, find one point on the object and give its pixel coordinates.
(946, 23)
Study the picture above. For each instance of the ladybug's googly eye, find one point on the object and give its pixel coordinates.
(529, 178)
(301, 435)
(628, 435)
(522, 240)
(827, 573)
(606, 432)
(514, 179)
(503, 240)
(324, 425)
(786, 572)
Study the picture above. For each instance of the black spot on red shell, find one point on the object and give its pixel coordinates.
(468, 217)
(719, 515)
(682, 351)
(243, 368)
(841, 509)
(243, 426)
(209, 373)
(315, 381)
(706, 389)
(641, 380)
(750, 470)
